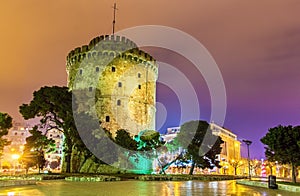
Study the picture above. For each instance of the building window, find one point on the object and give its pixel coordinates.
(97, 69)
(80, 71)
(16, 133)
(224, 148)
(90, 89)
(113, 69)
(120, 84)
(139, 86)
(50, 135)
(119, 102)
(139, 75)
(22, 133)
(107, 119)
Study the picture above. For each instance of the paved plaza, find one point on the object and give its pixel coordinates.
(141, 188)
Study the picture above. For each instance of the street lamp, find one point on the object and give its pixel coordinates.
(15, 157)
(248, 143)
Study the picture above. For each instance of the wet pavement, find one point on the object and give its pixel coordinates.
(140, 188)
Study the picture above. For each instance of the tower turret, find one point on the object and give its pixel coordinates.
(123, 79)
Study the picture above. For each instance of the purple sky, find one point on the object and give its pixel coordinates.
(256, 45)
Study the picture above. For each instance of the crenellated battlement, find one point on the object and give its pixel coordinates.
(108, 42)
(110, 47)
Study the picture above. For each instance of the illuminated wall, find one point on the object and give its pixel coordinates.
(231, 149)
(230, 153)
(126, 89)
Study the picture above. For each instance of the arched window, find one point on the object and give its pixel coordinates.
(90, 89)
(107, 119)
(113, 69)
(139, 75)
(80, 71)
(119, 84)
(139, 86)
(97, 69)
(119, 102)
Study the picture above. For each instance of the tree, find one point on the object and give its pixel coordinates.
(235, 164)
(124, 139)
(201, 146)
(148, 140)
(96, 142)
(270, 165)
(5, 125)
(282, 146)
(53, 105)
(35, 148)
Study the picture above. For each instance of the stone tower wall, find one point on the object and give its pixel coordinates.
(122, 77)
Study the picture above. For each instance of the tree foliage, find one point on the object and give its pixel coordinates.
(235, 164)
(53, 105)
(5, 125)
(201, 146)
(35, 148)
(95, 141)
(148, 140)
(124, 139)
(282, 146)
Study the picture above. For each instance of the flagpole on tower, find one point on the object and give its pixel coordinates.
(114, 20)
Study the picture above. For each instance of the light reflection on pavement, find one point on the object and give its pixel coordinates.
(123, 188)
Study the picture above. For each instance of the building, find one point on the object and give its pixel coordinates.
(116, 77)
(54, 159)
(17, 136)
(230, 157)
(231, 149)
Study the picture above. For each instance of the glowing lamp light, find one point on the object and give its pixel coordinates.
(15, 156)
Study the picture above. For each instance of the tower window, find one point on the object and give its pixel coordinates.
(113, 69)
(16, 133)
(139, 75)
(119, 84)
(90, 89)
(119, 102)
(97, 69)
(80, 71)
(107, 119)
(139, 86)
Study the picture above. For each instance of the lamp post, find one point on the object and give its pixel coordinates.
(248, 143)
(15, 158)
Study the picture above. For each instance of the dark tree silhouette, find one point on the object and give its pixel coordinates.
(5, 125)
(35, 148)
(201, 146)
(282, 145)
